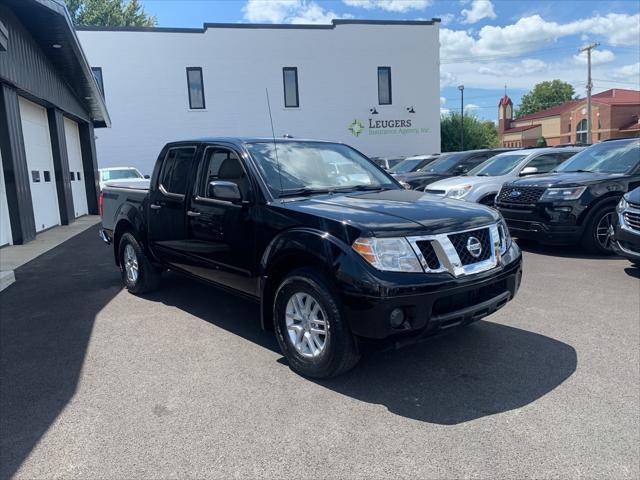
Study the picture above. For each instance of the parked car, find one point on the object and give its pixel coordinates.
(330, 261)
(482, 184)
(386, 163)
(449, 164)
(626, 239)
(413, 164)
(576, 204)
(130, 174)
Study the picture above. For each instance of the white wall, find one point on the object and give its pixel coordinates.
(74, 153)
(146, 87)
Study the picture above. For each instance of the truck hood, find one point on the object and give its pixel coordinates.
(572, 179)
(396, 212)
(457, 182)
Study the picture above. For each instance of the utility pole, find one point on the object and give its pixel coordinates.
(461, 88)
(588, 49)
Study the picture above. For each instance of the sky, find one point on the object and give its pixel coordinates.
(484, 44)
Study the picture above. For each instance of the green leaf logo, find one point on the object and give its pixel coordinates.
(356, 128)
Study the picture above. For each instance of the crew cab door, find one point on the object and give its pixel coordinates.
(221, 229)
(167, 200)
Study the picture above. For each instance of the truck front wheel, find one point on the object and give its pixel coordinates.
(138, 275)
(311, 330)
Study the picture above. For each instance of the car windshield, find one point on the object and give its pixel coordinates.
(606, 157)
(445, 163)
(119, 174)
(406, 166)
(316, 167)
(498, 165)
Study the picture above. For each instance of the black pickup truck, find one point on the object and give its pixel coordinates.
(333, 247)
(576, 203)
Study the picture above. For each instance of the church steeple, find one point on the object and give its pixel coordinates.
(505, 112)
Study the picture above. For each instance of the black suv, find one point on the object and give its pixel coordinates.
(627, 227)
(450, 164)
(576, 204)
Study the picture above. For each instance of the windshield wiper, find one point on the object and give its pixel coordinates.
(303, 192)
(580, 170)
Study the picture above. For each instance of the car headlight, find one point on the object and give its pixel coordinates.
(505, 237)
(390, 254)
(459, 192)
(566, 193)
(622, 204)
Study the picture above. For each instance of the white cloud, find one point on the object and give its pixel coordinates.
(389, 5)
(443, 100)
(479, 10)
(445, 111)
(471, 106)
(287, 11)
(445, 18)
(533, 32)
(525, 66)
(632, 72)
(598, 57)
(447, 79)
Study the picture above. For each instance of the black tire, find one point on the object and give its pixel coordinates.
(148, 277)
(339, 353)
(590, 240)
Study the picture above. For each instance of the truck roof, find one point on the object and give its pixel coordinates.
(243, 140)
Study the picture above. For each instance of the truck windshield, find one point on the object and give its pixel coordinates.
(496, 166)
(316, 167)
(607, 157)
(119, 174)
(445, 163)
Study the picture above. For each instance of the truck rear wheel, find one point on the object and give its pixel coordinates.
(138, 275)
(310, 328)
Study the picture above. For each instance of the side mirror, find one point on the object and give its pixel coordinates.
(405, 185)
(147, 177)
(528, 171)
(459, 170)
(227, 191)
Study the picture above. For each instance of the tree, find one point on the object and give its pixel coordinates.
(541, 142)
(545, 95)
(109, 13)
(477, 134)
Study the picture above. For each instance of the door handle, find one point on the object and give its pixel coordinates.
(155, 206)
(193, 214)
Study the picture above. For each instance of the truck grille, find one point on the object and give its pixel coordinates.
(429, 254)
(513, 194)
(632, 220)
(460, 242)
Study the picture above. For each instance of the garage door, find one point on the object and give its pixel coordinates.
(5, 225)
(75, 167)
(37, 144)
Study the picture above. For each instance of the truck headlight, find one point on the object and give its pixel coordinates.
(566, 193)
(389, 254)
(622, 204)
(505, 237)
(459, 192)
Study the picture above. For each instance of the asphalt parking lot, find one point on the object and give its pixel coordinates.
(98, 383)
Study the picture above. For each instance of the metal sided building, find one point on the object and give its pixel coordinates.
(50, 104)
(371, 84)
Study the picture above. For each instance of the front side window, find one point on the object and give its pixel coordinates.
(406, 166)
(97, 73)
(195, 85)
(221, 164)
(546, 163)
(496, 166)
(315, 167)
(608, 157)
(384, 85)
(290, 79)
(175, 170)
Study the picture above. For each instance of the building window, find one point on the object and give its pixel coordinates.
(581, 131)
(196, 88)
(72, 175)
(35, 176)
(290, 80)
(97, 73)
(78, 176)
(47, 176)
(384, 85)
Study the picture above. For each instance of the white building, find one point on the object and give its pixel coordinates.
(324, 82)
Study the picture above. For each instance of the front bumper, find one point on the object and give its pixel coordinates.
(555, 224)
(627, 243)
(436, 306)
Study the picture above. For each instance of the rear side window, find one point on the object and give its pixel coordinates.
(175, 170)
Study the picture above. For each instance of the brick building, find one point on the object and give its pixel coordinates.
(614, 115)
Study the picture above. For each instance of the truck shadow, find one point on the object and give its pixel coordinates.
(564, 251)
(480, 370)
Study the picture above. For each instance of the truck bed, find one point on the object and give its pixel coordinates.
(117, 193)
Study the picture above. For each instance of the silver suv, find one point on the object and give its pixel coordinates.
(483, 183)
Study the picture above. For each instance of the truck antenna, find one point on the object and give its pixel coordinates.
(273, 135)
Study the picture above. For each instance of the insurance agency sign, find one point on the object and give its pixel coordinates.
(386, 127)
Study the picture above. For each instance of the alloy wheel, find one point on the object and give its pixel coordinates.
(604, 230)
(130, 263)
(306, 324)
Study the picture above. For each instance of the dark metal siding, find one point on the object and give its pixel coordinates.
(26, 67)
(90, 166)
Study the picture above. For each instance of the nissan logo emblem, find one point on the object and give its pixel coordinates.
(474, 247)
